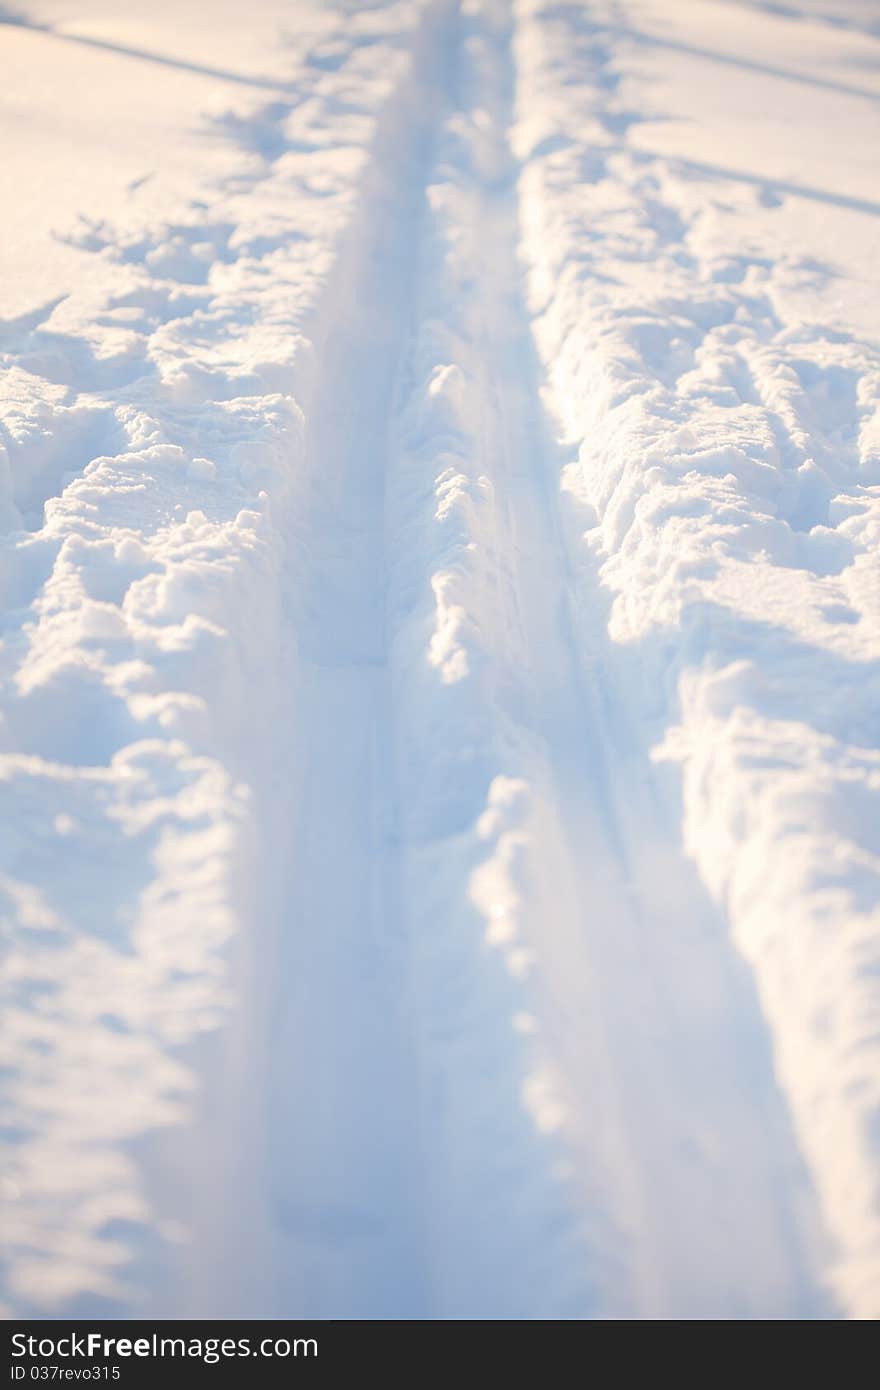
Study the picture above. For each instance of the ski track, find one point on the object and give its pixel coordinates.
(649, 1169)
(495, 1053)
(341, 1142)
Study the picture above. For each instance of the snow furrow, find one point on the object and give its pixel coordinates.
(694, 1174)
(469, 921)
(724, 503)
(331, 1149)
(341, 1172)
(150, 606)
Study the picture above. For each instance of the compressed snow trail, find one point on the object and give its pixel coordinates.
(343, 1109)
(662, 1051)
(333, 1152)
(660, 1087)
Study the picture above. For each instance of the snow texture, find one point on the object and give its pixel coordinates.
(440, 759)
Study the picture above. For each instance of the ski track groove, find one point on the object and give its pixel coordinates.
(679, 1147)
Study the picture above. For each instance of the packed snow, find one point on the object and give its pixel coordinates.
(440, 767)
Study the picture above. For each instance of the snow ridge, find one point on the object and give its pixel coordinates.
(727, 486)
(147, 607)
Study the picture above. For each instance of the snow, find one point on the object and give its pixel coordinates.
(702, 329)
(440, 486)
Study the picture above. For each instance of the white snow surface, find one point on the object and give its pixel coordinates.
(440, 763)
